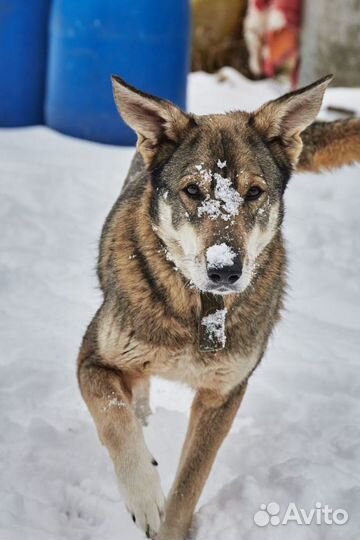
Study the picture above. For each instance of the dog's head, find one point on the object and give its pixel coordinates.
(218, 179)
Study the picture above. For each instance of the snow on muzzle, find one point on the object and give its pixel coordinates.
(223, 265)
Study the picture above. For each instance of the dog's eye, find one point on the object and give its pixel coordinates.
(253, 193)
(193, 191)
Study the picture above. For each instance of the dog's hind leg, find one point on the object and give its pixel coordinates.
(107, 392)
(141, 401)
(211, 419)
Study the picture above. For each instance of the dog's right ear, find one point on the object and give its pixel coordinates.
(157, 122)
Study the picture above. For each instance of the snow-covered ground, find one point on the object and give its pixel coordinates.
(296, 437)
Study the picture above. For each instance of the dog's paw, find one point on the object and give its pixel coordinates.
(146, 501)
(143, 496)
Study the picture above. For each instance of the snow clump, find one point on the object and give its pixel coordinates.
(227, 199)
(220, 255)
(215, 325)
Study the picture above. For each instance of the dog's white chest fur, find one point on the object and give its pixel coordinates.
(220, 371)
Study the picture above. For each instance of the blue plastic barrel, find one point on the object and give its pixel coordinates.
(23, 52)
(146, 42)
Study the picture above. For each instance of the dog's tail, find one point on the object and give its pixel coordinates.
(328, 145)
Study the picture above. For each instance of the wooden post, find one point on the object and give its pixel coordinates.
(330, 41)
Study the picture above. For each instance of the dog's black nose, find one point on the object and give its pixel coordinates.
(226, 275)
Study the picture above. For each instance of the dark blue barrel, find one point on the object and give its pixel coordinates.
(23, 51)
(146, 42)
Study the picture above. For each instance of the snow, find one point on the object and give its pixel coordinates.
(215, 326)
(114, 402)
(296, 436)
(227, 199)
(221, 164)
(220, 255)
(209, 207)
(229, 196)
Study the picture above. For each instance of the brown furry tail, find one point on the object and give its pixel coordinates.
(328, 145)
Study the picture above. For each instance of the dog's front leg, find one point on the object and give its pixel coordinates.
(211, 419)
(108, 394)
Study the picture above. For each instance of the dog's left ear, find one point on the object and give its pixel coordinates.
(283, 119)
(159, 124)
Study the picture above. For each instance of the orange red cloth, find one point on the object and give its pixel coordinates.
(272, 29)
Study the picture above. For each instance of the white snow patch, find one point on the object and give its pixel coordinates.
(206, 176)
(210, 207)
(215, 325)
(220, 255)
(227, 199)
(114, 402)
(221, 164)
(228, 195)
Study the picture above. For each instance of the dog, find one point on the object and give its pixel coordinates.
(192, 268)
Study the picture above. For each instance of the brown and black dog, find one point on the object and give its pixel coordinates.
(192, 268)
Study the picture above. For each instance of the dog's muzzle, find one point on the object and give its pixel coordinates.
(225, 277)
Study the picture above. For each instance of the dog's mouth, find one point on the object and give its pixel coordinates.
(222, 289)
